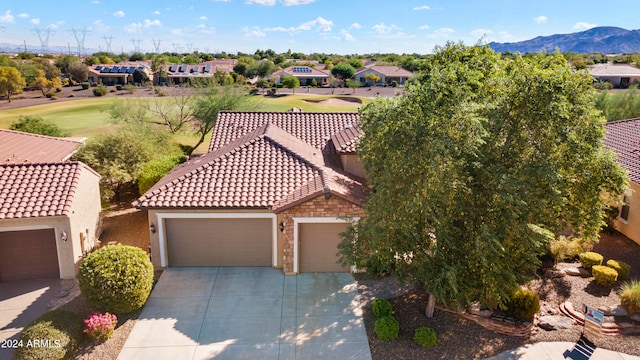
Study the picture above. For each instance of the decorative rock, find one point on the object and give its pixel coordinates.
(476, 309)
(635, 317)
(555, 322)
(554, 273)
(486, 313)
(577, 272)
(618, 311)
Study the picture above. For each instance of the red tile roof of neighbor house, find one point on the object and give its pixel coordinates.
(346, 140)
(259, 165)
(21, 147)
(387, 70)
(35, 190)
(624, 138)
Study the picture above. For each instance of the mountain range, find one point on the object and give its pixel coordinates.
(602, 39)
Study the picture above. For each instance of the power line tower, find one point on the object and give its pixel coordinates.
(136, 45)
(156, 45)
(43, 35)
(107, 40)
(189, 47)
(80, 35)
(177, 48)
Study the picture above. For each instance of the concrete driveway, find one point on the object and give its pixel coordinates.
(21, 302)
(249, 313)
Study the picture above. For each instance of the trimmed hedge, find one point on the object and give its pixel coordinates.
(425, 336)
(116, 278)
(387, 328)
(604, 275)
(381, 308)
(54, 335)
(589, 259)
(621, 267)
(524, 304)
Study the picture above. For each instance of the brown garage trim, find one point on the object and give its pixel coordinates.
(164, 261)
(296, 233)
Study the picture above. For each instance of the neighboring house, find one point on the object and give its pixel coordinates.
(306, 74)
(271, 191)
(49, 207)
(387, 74)
(182, 73)
(624, 138)
(49, 216)
(619, 75)
(120, 74)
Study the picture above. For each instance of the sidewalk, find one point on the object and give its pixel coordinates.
(555, 351)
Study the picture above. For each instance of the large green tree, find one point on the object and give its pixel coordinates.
(291, 82)
(476, 168)
(11, 82)
(343, 71)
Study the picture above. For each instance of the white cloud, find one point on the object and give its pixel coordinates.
(176, 31)
(320, 24)
(155, 12)
(424, 27)
(385, 29)
(7, 17)
(118, 13)
(23, 15)
(204, 29)
(203, 18)
(148, 23)
(56, 24)
(423, 7)
(100, 26)
(355, 26)
(481, 32)
(253, 32)
(134, 27)
(540, 19)
(441, 33)
(35, 21)
(296, 2)
(583, 26)
(261, 2)
(95, 2)
(346, 35)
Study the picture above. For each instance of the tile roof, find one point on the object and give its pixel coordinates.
(36, 190)
(266, 167)
(614, 70)
(21, 147)
(624, 138)
(303, 71)
(387, 70)
(346, 140)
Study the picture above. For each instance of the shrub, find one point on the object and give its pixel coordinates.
(589, 259)
(100, 90)
(116, 278)
(118, 87)
(621, 267)
(604, 275)
(37, 125)
(386, 328)
(154, 170)
(425, 336)
(523, 304)
(63, 330)
(50, 95)
(99, 326)
(85, 85)
(381, 308)
(130, 88)
(564, 248)
(630, 296)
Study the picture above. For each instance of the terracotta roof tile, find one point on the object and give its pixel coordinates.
(387, 70)
(346, 140)
(35, 190)
(21, 147)
(624, 138)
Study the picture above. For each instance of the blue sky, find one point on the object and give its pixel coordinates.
(330, 26)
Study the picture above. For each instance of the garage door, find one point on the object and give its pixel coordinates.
(219, 242)
(319, 246)
(29, 254)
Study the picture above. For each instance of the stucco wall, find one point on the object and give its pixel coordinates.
(353, 165)
(317, 207)
(631, 228)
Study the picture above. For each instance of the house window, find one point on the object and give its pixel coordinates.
(624, 211)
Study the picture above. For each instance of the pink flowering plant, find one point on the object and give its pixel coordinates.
(100, 326)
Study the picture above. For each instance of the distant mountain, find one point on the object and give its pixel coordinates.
(603, 39)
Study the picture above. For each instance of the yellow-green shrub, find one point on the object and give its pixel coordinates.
(425, 336)
(604, 275)
(523, 304)
(386, 328)
(630, 296)
(621, 267)
(589, 259)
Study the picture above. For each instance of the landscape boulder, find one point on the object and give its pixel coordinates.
(555, 322)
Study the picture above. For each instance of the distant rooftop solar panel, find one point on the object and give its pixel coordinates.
(207, 68)
(195, 69)
(183, 67)
(173, 68)
(123, 70)
(114, 69)
(131, 69)
(98, 67)
(105, 70)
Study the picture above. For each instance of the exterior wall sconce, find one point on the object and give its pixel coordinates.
(281, 226)
(152, 228)
(64, 236)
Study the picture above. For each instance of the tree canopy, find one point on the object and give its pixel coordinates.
(291, 82)
(476, 168)
(11, 82)
(343, 71)
(37, 125)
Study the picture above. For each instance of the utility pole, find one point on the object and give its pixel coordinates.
(43, 35)
(107, 41)
(136, 45)
(156, 45)
(25, 45)
(80, 35)
(189, 47)
(177, 48)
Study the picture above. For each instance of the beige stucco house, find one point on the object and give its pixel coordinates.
(305, 74)
(387, 74)
(271, 191)
(619, 75)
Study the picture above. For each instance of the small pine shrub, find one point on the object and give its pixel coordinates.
(100, 90)
(630, 296)
(524, 304)
(425, 336)
(604, 275)
(589, 259)
(85, 85)
(387, 328)
(621, 267)
(381, 308)
(63, 331)
(116, 278)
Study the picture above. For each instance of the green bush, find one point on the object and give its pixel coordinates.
(386, 328)
(564, 248)
(100, 90)
(589, 259)
(523, 304)
(630, 296)
(621, 267)
(63, 331)
(425, 336)
(85, 85)
(116, 278)
(381, 308)
(604, 275)
(154, 170)
(118, 87)
(130, 88)
(37, 125)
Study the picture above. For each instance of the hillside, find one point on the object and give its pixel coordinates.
(604, 39)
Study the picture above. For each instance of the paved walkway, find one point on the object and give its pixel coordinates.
(555, 351)
(249, 313)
